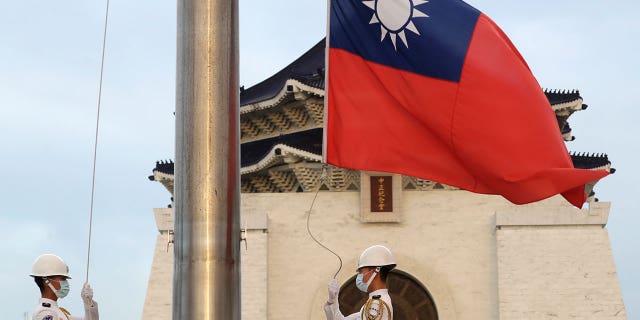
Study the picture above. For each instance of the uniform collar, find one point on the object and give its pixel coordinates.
(53, 303)
(379, 292)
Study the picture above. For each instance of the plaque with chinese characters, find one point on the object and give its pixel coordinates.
(381, 193)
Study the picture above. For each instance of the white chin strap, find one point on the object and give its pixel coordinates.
(55, 291)
(375, 273)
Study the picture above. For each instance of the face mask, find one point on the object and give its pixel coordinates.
(363, 286)
(63, 291)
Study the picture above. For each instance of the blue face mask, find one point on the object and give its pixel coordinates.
(364, 286)
(63, 291)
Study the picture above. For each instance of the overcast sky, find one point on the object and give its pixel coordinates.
(49, 68)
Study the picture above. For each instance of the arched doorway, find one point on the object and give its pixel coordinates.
(411, 300)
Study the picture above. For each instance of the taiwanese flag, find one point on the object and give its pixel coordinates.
(436, 90)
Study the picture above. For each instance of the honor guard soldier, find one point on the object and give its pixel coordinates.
(373, 267)
(51, 273)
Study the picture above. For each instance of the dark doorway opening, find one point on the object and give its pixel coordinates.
(410, 299)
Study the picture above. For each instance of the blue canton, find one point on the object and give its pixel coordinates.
(438, 51)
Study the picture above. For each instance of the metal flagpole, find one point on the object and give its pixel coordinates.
(207, 179)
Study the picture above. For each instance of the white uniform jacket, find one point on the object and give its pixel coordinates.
(332, 311)
(48, 310)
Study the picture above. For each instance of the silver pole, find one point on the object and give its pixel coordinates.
(207, 228)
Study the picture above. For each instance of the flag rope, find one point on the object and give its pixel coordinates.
(95, 145)
(322, 178)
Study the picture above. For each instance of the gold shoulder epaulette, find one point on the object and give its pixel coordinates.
(66, 313)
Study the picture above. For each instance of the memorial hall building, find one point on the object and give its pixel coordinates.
(460, 255)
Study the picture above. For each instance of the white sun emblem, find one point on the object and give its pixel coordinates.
(394, 16)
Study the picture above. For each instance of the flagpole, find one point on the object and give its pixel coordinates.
(326, 85)
(207, 229)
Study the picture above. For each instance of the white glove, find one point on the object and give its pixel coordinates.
(333, 289)
(87, 295)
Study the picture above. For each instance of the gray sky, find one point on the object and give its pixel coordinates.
(49, 67)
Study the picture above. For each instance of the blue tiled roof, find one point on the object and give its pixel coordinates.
(308, 69)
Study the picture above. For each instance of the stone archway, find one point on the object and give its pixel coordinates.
(411, 300)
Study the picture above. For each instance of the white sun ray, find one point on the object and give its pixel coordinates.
(394, 16)
(419, 14)
(412, 27)
(370, 3)
(403, 37)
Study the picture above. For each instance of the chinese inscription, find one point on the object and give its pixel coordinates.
(381, 194)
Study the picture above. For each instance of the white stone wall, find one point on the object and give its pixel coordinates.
(157, 304)
(254, 276)
(472, 252)
(557, 269)
(254, 265)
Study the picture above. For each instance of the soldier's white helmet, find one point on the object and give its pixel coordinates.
(377, 256)
(47, 265)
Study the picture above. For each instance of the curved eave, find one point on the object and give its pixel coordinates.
(165, 166)
(281, 153)
(290, 88)
(569, 107)
(564, 103)
(166, 179)
(557, 96)
(309, 68)
(591, 161)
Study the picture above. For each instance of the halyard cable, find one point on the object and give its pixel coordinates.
(95, 145)
(322, 178)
